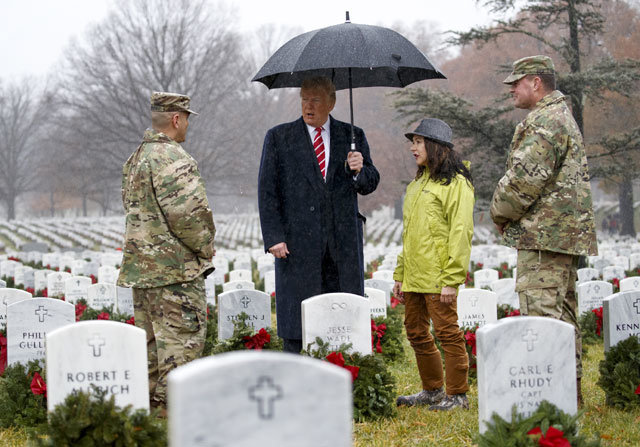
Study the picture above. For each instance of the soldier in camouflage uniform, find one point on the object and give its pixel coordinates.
(542, 205)
(168, 242)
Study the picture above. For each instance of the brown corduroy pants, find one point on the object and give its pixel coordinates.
(420, 308)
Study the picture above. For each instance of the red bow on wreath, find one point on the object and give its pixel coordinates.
(553, 437)
(638, 390)
(3, 353)
(38, 386)
(377, 331)
(598, 313)
(337, 359)
(80, 308)
(470, 337)
(257, 341)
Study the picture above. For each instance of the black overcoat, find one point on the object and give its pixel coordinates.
(291, 194)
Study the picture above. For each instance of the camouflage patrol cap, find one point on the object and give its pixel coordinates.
(170, 102)
(530, 65)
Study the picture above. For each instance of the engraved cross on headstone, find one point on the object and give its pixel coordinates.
(41, 312)
(636, 304)
(265, 393)
(245, 301)
(529, 337)
(474, 300)
(96, 343)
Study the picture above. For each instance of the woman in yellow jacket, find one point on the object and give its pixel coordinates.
(438, 227)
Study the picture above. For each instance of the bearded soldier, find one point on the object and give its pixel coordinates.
(542, 205)
(168, 242)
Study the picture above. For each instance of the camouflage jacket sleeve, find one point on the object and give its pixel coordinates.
(531, 165)
(181, 195)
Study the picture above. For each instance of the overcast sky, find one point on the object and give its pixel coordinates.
(33, 33)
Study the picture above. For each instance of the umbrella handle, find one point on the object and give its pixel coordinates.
(353, 136)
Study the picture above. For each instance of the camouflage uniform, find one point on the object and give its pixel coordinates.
(544, 202)
(168, 248)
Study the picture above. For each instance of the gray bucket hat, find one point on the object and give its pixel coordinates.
(433, 129)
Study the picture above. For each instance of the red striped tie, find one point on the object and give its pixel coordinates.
(318, 146)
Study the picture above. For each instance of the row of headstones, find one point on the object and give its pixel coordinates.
(71, 259)
(38, 279)
(520, 361)
(257, 306)
(612, 259)
(98, 296)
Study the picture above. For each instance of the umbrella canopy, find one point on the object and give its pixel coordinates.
(351, 55)
(375, 56)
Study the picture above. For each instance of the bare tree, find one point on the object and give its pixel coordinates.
(185, 46)
(23, 109)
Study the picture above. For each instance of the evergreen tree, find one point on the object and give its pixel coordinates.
(561, 28)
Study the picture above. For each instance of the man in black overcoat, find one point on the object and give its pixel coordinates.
(307, 195)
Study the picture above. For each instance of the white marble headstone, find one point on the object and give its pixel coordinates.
(630, 283)
(101, 295)
(386, 275)
(247, 399)
(600, 264)
(476, 307)
(240, 275)
(2, 284)
(8, 297)
(18, 274)
(591, 294)
(522, 361)
(484, 277)
(7, 268)
(124, 300)
(621, 261)
(270, 282)
(613, 271)
(386, 286)
(256, 304)
(634, 260)
(28, 278)
(621, 317)
(77, 267)
(76, 288)
(107, 274)
(210, 288)
(377, 301)
(40, 279)
(238, 285)
(28, 321)
(588, 274)
(505, 290)
(221, 264)
(108, 354)
(55, 283)
(337, 318)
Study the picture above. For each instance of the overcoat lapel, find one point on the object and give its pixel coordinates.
(306, 155)
(336, 160)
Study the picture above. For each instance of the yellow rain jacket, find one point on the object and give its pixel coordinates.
(436, 238)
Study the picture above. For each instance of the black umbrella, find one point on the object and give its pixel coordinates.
(351, 55)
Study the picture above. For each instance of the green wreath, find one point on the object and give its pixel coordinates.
(20, 406)
(534, 430)
(89, 418)
(391, 341)
(374, 390)
(620, 374)
(246, 337)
